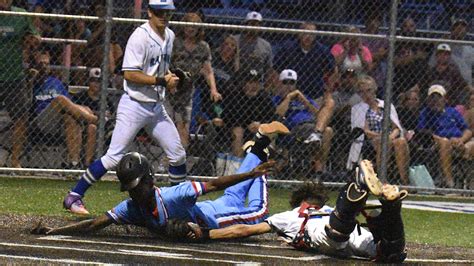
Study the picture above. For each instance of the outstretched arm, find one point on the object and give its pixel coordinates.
(85, 226)
(224, 182)
(240, 230)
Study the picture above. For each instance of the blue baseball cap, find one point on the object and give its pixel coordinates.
(161, 5)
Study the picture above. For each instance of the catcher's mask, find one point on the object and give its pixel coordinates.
(131, 169)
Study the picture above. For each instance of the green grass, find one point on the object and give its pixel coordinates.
(44, 197)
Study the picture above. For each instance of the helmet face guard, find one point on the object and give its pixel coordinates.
(132, 168)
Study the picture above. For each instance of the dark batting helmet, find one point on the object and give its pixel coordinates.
(131, 169)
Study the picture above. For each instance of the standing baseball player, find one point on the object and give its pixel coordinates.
(147, 77)
(316, 227)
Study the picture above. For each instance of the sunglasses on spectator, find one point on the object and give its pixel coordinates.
(288, 82)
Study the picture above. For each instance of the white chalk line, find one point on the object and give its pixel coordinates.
(175, 248)
(169, 255)
(8, 256)
(287, 247)
(440, 260)
(317, 257)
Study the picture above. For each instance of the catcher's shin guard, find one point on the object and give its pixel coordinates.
(342, 221)
(387, 229)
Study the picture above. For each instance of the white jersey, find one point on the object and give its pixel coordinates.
(289, 223)
(149, 53)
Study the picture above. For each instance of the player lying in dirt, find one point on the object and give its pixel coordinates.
(311, 225)
(158, 208)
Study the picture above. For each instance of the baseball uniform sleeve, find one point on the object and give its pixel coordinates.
(126, 212)
(286, 223)
(184, 194)
(135, 52)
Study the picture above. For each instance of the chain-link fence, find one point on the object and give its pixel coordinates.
(323, 68)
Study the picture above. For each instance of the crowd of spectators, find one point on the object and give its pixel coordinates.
(321, 90)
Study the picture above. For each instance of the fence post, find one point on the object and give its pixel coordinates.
(105, 79)
(388, 92)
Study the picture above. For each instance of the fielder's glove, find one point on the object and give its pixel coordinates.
(182, 230)
(185, 80)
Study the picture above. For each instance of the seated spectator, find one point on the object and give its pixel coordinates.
(192, 54)
(469, 117)
(448, 128)
(351, 53)
(409, 110)
(255, 49)
(46, 27)
(311, 59)
(78, 30)
(54, 108)
(93, 54)
(462, 54)
(226, 62)
(249, 106)
(369, 115)
(446, 71)
(379, 49)
(411, 60)
(304, 118)
(346, 95)
(17, 43)
(90, 101)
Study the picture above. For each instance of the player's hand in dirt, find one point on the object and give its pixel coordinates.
(195, 232)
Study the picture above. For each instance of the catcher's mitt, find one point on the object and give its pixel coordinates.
(183, 230)
(185, 80)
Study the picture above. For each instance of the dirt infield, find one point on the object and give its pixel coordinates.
(124, 245)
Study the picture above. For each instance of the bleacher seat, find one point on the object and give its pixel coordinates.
(430, 12)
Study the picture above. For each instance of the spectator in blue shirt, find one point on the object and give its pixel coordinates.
(53, 109)
(312, 61)
(306, 120)
(450, 131)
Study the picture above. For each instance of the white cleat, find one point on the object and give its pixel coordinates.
(367, 179)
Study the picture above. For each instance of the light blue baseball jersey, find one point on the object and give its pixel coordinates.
(179, 202)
